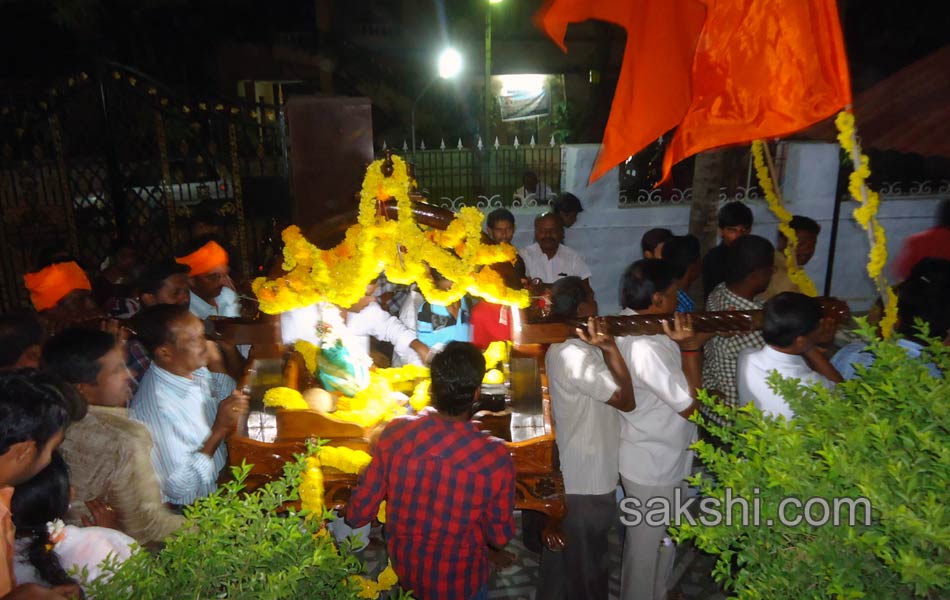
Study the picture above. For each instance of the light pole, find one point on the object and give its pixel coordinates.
(488, 95)
(449, 65)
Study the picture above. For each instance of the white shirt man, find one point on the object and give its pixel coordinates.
(227, 305)
(588, 429)
(754, 369)
(542, 194)
(654, 437)
(566, 262)
(654, 455)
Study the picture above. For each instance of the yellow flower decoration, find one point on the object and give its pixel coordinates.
(344, 459)
(497, 352)
(797, 275)
(404, 249)
(311, 488)
(285, 397)
(371, 405)
(309, 352)
(371, 589)
(866, 215)
(381, 513)
(420, 396)
(403, 378)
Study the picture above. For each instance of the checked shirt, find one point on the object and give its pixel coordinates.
(721, 353)
(449, 492)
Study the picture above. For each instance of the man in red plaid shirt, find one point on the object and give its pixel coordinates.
(449, 487)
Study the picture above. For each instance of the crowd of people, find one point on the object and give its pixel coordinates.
(116, 405)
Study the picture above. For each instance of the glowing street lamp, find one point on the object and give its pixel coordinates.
(449, 66)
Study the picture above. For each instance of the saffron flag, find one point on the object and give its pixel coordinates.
(653, 91)
(755, 69)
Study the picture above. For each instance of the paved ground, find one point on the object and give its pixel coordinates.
(692, 571)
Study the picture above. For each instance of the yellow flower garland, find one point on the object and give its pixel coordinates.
(402, 249)
(309, 352)
(866, 215)
(285, 397)
(797, 275)
(311, 500)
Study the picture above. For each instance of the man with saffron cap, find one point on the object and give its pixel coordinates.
(208, 272)
(61, 294)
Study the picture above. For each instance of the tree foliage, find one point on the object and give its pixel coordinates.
(234, 545)
(884, 436)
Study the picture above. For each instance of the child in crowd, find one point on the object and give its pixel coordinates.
(21, 341)
(791, 331)
(652, 242)
(735, 221)
(33, 420)
(46, 548)
(683, 253)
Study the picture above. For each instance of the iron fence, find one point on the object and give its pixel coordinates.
(113, 154)
(486, 176)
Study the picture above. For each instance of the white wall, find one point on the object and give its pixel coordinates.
(609, 237)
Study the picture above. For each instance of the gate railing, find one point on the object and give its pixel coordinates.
(485, 176)
(112, 154)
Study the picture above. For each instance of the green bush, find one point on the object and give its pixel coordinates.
(884, 436)
(240, 546)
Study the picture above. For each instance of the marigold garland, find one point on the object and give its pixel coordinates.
(797, 275)
(309, 352)
(866, 216)
(311, 488)
(403, 249)
(311, 500)
(285, 397)
(344, 459)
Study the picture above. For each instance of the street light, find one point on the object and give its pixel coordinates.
(449, 66)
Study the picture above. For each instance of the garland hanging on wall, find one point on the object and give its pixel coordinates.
(795, 273)
(866, 215)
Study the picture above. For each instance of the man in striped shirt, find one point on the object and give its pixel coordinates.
(188, 409)
(450, 489)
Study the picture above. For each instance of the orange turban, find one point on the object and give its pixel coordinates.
(204, 259)
(50, 285)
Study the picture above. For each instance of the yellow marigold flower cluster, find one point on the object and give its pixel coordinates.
(344, 459)
(866, 215)
(402, 248)
(311, 488)
(798, 276)
(497, 352)
(370, 406)
(285, 397)
(403, 378)
(371, 589)
(309, 352)
(420, 395)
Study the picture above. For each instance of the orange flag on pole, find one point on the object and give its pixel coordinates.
(756, 69)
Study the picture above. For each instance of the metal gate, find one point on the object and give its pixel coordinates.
(112, 154)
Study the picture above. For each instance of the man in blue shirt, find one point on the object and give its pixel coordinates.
(923, 295)
(189, 409)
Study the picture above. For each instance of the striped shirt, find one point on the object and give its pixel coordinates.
(179, 413)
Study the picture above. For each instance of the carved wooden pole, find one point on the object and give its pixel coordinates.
(731, 321)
